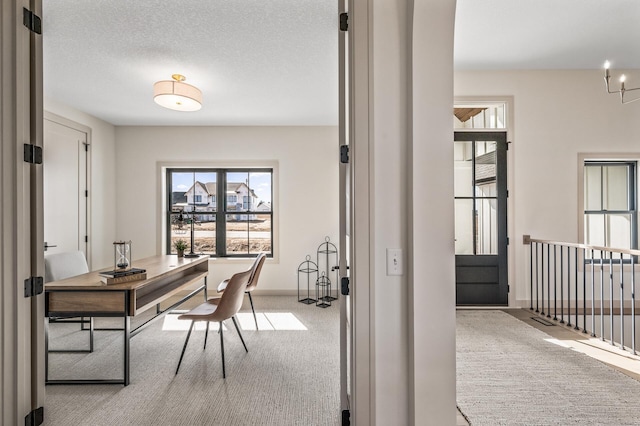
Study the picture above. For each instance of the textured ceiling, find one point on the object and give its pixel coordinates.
(547, 34)
(257, 62)
(274, 62)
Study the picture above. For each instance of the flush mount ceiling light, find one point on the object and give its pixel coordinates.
(177, 95)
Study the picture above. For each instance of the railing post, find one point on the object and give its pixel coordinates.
(542, 272)
(610, 296)
(537, 275)
(584, 288)
(531, 275)
(576, 282)
(561, 287)
(593, 306)
(621, 302)
(601, 297)
(633, 305)
(548, 280)
(555, 283)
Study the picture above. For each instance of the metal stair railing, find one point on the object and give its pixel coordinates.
(583, 283)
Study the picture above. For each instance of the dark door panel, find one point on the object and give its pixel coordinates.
(475, 294)
(477, 274)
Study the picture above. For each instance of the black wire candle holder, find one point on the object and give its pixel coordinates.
(323, 291)
(307, 269)
(327, 260)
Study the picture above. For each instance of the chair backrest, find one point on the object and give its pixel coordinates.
(59, 266)
(255, 274)
(231, 300)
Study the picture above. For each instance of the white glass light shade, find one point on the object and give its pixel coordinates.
(177, 95)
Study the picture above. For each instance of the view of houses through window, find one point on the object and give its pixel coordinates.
(610, 215)
(241, 226)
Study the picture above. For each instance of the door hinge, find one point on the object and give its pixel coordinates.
(344, 21)
(507, 193)
(86, 192)
(346, 418)
(31, 21)
(32, 154)
(86, 238)
(86, 146)
(507, 240)
(35, 417)
(344, 154)
(344, 286)
(508, 288)
(33, 286)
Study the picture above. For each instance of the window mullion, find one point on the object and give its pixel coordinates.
(221, 209)
(168, 211)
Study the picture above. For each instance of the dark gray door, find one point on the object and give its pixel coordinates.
(480, 177)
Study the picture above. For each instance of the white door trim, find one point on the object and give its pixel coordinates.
(362, 303)
(20, 390)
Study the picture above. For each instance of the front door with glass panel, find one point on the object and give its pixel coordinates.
(481, 218)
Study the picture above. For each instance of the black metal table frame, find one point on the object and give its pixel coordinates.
(128, 333)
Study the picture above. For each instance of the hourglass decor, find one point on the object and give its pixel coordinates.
(121, 255)
(122, 270)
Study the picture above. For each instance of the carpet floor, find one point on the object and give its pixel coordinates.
(290, 376)
(509, 373)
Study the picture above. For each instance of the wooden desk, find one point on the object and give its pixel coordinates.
(86, 296)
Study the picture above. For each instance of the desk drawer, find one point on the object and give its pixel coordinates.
(112, 302)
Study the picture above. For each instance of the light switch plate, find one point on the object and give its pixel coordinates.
(395, 264)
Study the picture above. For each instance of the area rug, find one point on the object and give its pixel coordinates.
(290, 376)
(509, 373)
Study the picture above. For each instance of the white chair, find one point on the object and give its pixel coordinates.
(58, 266)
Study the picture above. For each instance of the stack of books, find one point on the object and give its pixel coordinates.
(118, 277)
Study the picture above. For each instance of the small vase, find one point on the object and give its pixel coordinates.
(180, 253)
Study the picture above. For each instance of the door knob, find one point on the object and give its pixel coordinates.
(47, 246)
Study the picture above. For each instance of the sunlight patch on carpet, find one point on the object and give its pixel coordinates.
(558, 342)
(271, 321)
(268, 321)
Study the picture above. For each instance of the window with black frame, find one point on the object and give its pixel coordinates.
(610, 211)
(240, 225)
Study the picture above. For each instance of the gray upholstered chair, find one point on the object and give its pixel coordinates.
(255, 270)
(58, 266)
(218, 310)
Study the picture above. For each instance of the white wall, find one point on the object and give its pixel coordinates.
(557, 114)
(307, 208)
(390, 213)
(432, 286)
(102, 201)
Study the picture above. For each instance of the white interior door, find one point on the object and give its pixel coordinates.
(65, 188)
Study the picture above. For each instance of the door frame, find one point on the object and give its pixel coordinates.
(358, 91)
(514, 250)
(22, 335)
